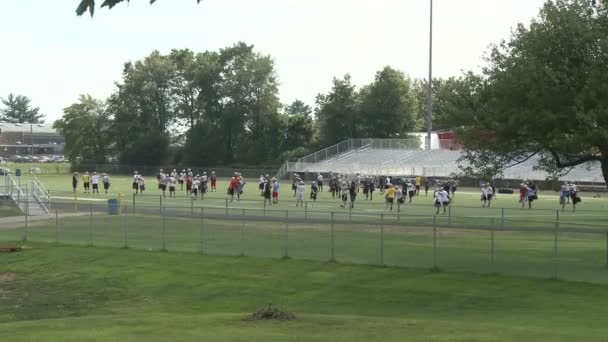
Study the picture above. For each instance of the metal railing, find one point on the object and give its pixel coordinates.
(40, 194)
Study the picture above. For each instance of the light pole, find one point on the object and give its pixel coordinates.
(429, 118)
(32, 141)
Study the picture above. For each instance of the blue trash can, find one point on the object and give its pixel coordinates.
(18, 172)
(112, 206)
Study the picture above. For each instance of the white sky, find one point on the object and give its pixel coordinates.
(51, 55)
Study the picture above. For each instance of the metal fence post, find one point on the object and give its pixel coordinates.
(243, 234)
(125, 224)
(27, 209)
(202, 232)
(56, 226)
(502, 218)
(133, 202)
(191, 206)
(381, 239)
(332, 240)
(91, 243)
(435, 242)
(161, 204)
(492, 245)
(286, 235)
(555, 252)
(350, 213)
(164, 244)
(306, 210)
(227, 206)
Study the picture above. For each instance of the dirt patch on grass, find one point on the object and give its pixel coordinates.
(6, 277)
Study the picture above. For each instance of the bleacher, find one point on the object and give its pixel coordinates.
(368, 159)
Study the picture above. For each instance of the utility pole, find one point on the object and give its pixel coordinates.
(429, 119)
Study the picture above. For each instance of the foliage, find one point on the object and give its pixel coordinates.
(451, 100)
(86, 128)
(89, 5)
(337, 112)
(542, 93)
(18, 108)
(298, 107)
(388, 106)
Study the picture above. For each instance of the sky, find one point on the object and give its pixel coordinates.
(51, 55)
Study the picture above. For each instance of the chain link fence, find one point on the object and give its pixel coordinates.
(552, 248)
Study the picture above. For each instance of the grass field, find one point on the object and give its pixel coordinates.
(70, 293)
(231, 262)
(406, 241)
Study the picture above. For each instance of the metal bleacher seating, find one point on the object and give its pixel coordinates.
(436, 163)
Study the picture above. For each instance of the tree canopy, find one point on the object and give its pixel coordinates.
(89, 5)
(85, 126)
(542, 93)
(18, 108)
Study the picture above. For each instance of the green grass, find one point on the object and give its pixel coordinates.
(466, 206)
(407, 237)
(70, 293)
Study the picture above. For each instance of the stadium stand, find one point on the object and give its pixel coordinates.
(374, 157)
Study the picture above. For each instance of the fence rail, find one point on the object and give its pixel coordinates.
(545, 248)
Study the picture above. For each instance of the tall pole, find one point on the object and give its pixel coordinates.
(32, 141)
(429, 119)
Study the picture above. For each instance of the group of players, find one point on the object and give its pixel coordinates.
(195, 184)
(395, 191)
(89, 180)
(346, 190)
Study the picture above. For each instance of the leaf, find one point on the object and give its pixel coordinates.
(84, 6)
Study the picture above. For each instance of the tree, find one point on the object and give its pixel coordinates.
(338, 112)
(86, 128)
(18, 109)
(144, 105)
(543, 94)
(389, 106)
(450, 96)
(89, 5)
(298, 107)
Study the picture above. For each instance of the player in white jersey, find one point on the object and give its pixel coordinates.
(164, 181)
(300, 194)
(195, 185)
(172, 181)
(142, 184)
(411, 191)
(320, 181)
(344, 194)
(181, 179)
(442, 199)
(486, 195)
(95, 182)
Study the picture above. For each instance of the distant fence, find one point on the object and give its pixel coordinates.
(547, 247)
(67, 168)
